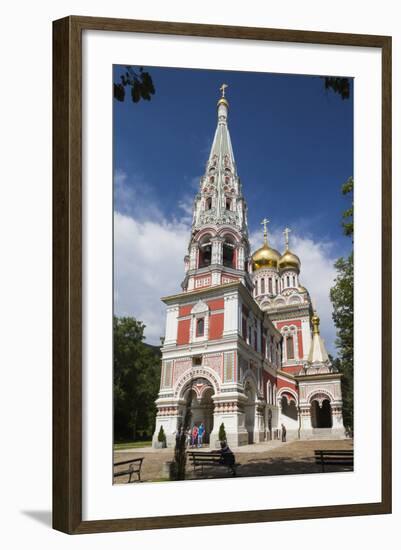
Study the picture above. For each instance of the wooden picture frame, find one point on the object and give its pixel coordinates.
(67, 274)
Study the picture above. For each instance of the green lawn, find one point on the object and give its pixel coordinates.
(132, 445)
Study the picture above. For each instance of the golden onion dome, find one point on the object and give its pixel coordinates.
(302, 290)
(289, 261)
(265, 257)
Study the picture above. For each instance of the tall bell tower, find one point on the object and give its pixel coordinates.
(219, 247)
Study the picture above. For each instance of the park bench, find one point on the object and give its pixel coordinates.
(209, 458)
(335, 458)
(133, 466)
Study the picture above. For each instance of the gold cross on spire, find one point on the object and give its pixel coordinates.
(286, 233)
(223, 89)
(264, 222)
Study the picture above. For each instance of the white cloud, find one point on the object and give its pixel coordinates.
(149, 251)
(148, 264)
(186, 205)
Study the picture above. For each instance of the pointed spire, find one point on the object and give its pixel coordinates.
(264, 222)
(220, 200)
(317, 353)
(286, 233)
(315, 323)
(221, 154)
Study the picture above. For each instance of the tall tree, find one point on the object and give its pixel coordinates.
(342, 298)
(136, 380)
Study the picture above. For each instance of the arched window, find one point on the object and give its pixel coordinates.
(288, 281)
(290, 347)
(228, 253)
(200, 326)
(270, 286)
(208, 204)
(262, 286)
(205, 252)
(256, 287)
(228, 203)
(293, 280)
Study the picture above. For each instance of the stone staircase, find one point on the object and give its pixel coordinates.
(323, 433)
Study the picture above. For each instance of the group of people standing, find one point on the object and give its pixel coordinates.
(194, 437)
(197, 434)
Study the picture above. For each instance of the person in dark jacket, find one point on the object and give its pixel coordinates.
(227, 456)
(283, 433)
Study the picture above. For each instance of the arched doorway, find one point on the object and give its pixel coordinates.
(321, 414)
(289, 408)
(199, 406)
(250, 411)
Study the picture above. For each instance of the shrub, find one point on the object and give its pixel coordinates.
(161, 436)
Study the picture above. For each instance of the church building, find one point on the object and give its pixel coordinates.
(242, 344)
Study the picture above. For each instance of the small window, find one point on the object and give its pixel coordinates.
(200, 327)
(288, 281)
(208, 203)
(228, 204)
(270, 285)
(290, 347)
(262, 286)
(244, 327)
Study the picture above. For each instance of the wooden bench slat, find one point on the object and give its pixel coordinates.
(135, 468)
(209, 458)
(330, 457)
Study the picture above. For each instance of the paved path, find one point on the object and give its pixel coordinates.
(270, 458)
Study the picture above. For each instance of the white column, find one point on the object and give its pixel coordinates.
(306, 337)
(171, 325)
(217, 247)
(306, 420)
(230, 314)
(192, 256)
(240, 258)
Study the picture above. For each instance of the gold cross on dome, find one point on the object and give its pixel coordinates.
(286, 233)
(264, 222)
(223, 89)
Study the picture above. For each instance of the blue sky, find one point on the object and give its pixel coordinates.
(293, 144)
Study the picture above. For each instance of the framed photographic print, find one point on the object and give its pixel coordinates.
(222, 275)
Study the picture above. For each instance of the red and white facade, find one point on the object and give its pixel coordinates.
(241, 344)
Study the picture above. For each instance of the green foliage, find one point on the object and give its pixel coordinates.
(339, 85)
(140, 82)
(222, 433)
(342, 298)
(136, 379)
(161, 435)
(348, 215)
